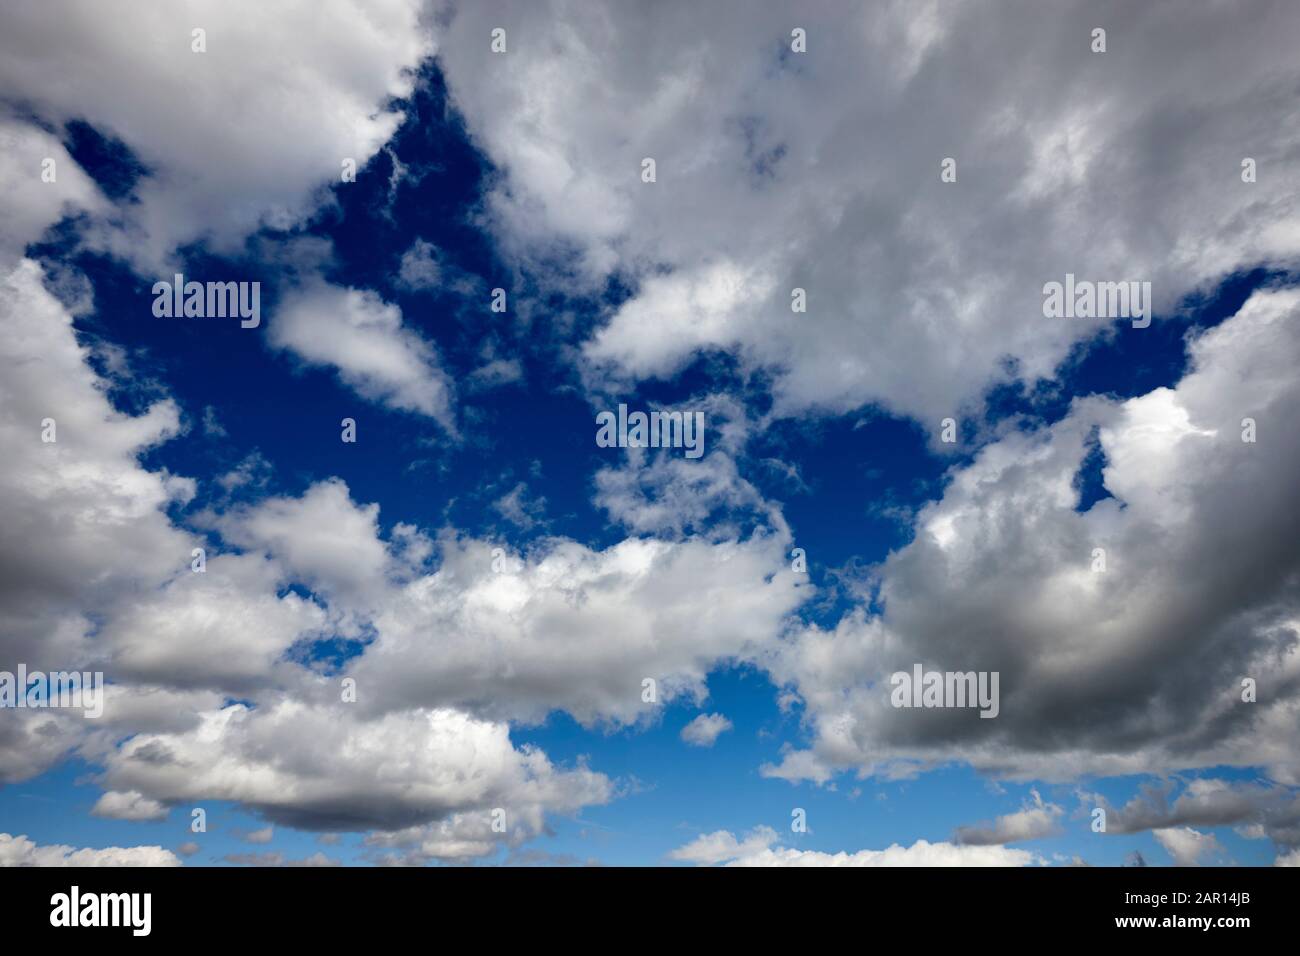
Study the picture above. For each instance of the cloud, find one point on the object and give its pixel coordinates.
(920, 294)
(323, 538)
(216, 174)
(356, 333)
(175, 644)
(223, 629)
(20, 851)
(1135, 669)
(1257, 811)
(264, 835)
(347, 772)
(33, 204)
(317, 859)
(1034, 821)
(128, 806)
(759, 849)
(519, 509)
(460, 837)
(576, 629)
(1291, 858)
(84, 522)
(419, 268)
(1187, 846)
(705, 729)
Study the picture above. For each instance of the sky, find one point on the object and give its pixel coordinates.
(364, 584)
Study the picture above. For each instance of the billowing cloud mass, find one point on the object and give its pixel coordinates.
(514, 637)
(348, 772)
(81, 523)
(215, 172)
(337, 663)
(1138, 667)
(920, 293)
(760, 848)
(24, 152)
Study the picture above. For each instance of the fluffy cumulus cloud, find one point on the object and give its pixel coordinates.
(20, 851)
(313, 82)
(40, 183)
(920, 295)
(74, 495)
(348, 772)
(362, 338)
(705, 730)
(511, 636)
(1134, 668)
(1186, 846)
(761, 848)
(128, 806)
(515, 643)
(1123, 165)
(1034, 821)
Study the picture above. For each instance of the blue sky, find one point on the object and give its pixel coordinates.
(476, 430)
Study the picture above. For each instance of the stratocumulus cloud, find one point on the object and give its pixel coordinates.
(625, 397)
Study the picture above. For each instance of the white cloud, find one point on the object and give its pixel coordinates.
(325, 765)
(356, 333)
(1121, 166)
(759, 849)
(31, 204)
(564, 627)
(1187, 846)
(311, 81)
(1032, 822)
(1137, 669)
(577, 629)
(20, 851)
(128, 806)
(705, 729)
(84, 522)
(95, 574)
(1290, 858)
(223, 629)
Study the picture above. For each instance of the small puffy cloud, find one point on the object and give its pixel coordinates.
(264, 835)
(705, 729)
(419, 268)
(519, 509)
(363, 339)
(1187, 846)
(1034, 821)
(128, 806)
